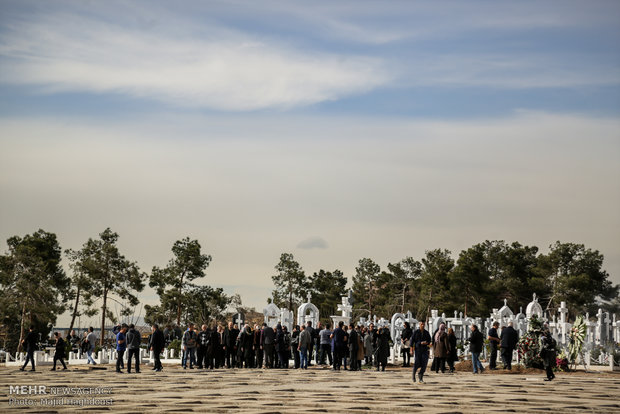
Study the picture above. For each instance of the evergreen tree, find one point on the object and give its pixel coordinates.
(110, 277)
(365, 286)
(327, 289)
(290, 283)
(434, 283)
(33, 285)
(173, 283)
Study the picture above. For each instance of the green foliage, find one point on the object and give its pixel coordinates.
(173, 283)
(291, 284)
(108, 275)
(365, 287)
(575, 276)
(327, 288)
(201, 304)
(176, 345)
(434, 284)
(33, 285)
(485, 274)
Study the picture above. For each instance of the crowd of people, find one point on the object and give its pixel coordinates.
(345, 347)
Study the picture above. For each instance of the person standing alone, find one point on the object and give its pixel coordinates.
(59, 354)
(30, 343)
(420, 340)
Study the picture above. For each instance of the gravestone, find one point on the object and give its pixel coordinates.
(308, 312)
(271, 315)
(286, 319)
(346, 310)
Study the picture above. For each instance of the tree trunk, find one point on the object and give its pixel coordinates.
(21, 327)
(430, 297)
(75, 307)
(466, 296)
(370, 298)
(179, 300)
(103, 310)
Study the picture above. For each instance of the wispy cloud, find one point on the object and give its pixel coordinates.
(219, 69)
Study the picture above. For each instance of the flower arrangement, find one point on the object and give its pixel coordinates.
(576, 338)
(561, 362)
(528, 345)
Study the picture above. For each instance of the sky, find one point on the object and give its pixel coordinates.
(330, 130)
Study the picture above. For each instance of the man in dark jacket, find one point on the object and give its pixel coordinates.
(157, 345)
(547, 352)
(30, 343)
(133, 347)
(230, 340)
(258, 352)
(203, 342)
(59, 355)
(339, 345)
(476, 342)
(267, 340)
(494, 341)
(420, 341)
(508, 341)
(246, 340)
(353, 348)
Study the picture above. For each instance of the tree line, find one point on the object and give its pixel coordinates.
(475, 283)
(35, 289)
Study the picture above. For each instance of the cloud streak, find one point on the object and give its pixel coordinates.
(220, 69)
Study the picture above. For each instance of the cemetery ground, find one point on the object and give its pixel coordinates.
(314, 390)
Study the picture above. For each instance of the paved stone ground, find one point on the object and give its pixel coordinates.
(315, 390)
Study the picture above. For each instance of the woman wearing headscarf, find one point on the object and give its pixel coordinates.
(405, 339)
(295, 344)
(367, 346)
(280, 347)
(441, 348)
(383, 347)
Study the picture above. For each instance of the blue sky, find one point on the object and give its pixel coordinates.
(333, 130)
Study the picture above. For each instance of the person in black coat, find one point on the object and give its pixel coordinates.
(203, 341)
(508, 341)
(30, 343)
(420, 340)
(548, 352)
(476, 342)
(405, 338)
(59, 354)
(295, 345)
(267, 340)
(453, 356)
(280, 347)
(494, 341)
(157, 345)
(338, 337)
(213, 348)
(383, 347)
(258, 352)
(353, 348)
(247, 350)
(230, 340)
